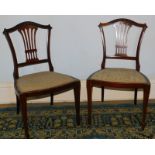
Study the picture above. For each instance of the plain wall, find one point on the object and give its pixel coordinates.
(76, 44)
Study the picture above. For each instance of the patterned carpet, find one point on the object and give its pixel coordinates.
(110, 121)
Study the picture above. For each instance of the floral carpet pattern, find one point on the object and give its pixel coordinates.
(109, 121)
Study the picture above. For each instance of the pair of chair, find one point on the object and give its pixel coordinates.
(49, 83)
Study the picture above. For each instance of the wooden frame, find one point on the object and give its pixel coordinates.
(28, 30)
(113, 85)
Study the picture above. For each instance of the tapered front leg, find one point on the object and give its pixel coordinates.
(77, 101)
(89, 96)
(24, 114)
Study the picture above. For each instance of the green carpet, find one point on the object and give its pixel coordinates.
(110, 121)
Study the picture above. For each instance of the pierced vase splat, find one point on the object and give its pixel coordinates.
(28, 34)
(121, 29)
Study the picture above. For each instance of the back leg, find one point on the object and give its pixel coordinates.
(51, 99)
(18, 104)
(145, 104)
(102, 94)
(135, 97)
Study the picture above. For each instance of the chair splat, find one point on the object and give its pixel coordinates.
(28, 34)
(121, 30)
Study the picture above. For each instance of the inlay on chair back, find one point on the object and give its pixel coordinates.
(28, 31)
(122, 27)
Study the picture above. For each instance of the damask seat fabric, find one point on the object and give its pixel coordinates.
(119, 75)
(42, 81)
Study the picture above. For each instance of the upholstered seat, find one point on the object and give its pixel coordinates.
(119, 75)
(42, 81)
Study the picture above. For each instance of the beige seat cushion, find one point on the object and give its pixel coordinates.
(120, 75)
(42, 81)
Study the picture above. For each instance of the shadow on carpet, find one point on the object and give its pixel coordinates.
(109, 121)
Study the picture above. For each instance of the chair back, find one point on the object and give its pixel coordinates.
(121, 29)
(28, 31)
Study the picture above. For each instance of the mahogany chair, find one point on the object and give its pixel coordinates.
(40, 84)
(120, 78)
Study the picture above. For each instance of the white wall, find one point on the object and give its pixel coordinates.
(76, 45)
